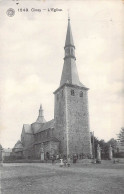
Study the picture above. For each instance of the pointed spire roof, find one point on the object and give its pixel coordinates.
(40, 118)
(69, 38)
(69, 73)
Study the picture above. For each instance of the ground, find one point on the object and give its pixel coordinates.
(40, 178)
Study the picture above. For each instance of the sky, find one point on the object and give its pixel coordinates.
(31, 61)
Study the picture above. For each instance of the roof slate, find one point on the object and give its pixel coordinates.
(27, 128)
(69, 37)
(69, 72)
(47, 125)
(18, 145)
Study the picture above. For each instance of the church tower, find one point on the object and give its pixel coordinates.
(71, 106)
(41, 118)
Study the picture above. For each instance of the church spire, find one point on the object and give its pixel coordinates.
(69, 38)
(69, 73)
(40, 118)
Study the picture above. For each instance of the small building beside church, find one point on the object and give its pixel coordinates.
(17, 151)
(68, 133)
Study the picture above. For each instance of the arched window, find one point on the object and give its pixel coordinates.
(72, 92)
(81, 94)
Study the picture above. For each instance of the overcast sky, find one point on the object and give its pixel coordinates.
(31, 61)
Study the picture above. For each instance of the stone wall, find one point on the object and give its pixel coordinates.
(78, 121)
(71, 112)
(60, 119)
(27, 140)
(35, 127)
(50, 147)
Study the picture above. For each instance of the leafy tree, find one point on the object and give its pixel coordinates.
(121, 136)
(112, 142)
(96, 142)
(104, 146)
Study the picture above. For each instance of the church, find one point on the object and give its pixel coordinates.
(68, 133)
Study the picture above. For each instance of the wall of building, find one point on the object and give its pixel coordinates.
(43, 135)
(60, 119)
(72, 112)
(48, 147)
(0, 154)
(18, 153)
(78, 121)
(27, 140)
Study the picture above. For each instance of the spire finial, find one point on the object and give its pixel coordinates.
(68, 15)
(40, 106)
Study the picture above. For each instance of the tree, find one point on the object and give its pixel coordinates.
(113, 143)
(96, 142)
(121, 136)
(104, 146)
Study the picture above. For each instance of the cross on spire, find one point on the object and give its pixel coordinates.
(68, 15)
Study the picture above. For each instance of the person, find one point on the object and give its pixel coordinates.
(53, 159)
(65, 162)
(69, 162)
(74, 158)
(61, 162)
(57, 157)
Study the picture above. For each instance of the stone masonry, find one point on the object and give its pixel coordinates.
(71, 106)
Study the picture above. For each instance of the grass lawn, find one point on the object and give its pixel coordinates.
(51, 179)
